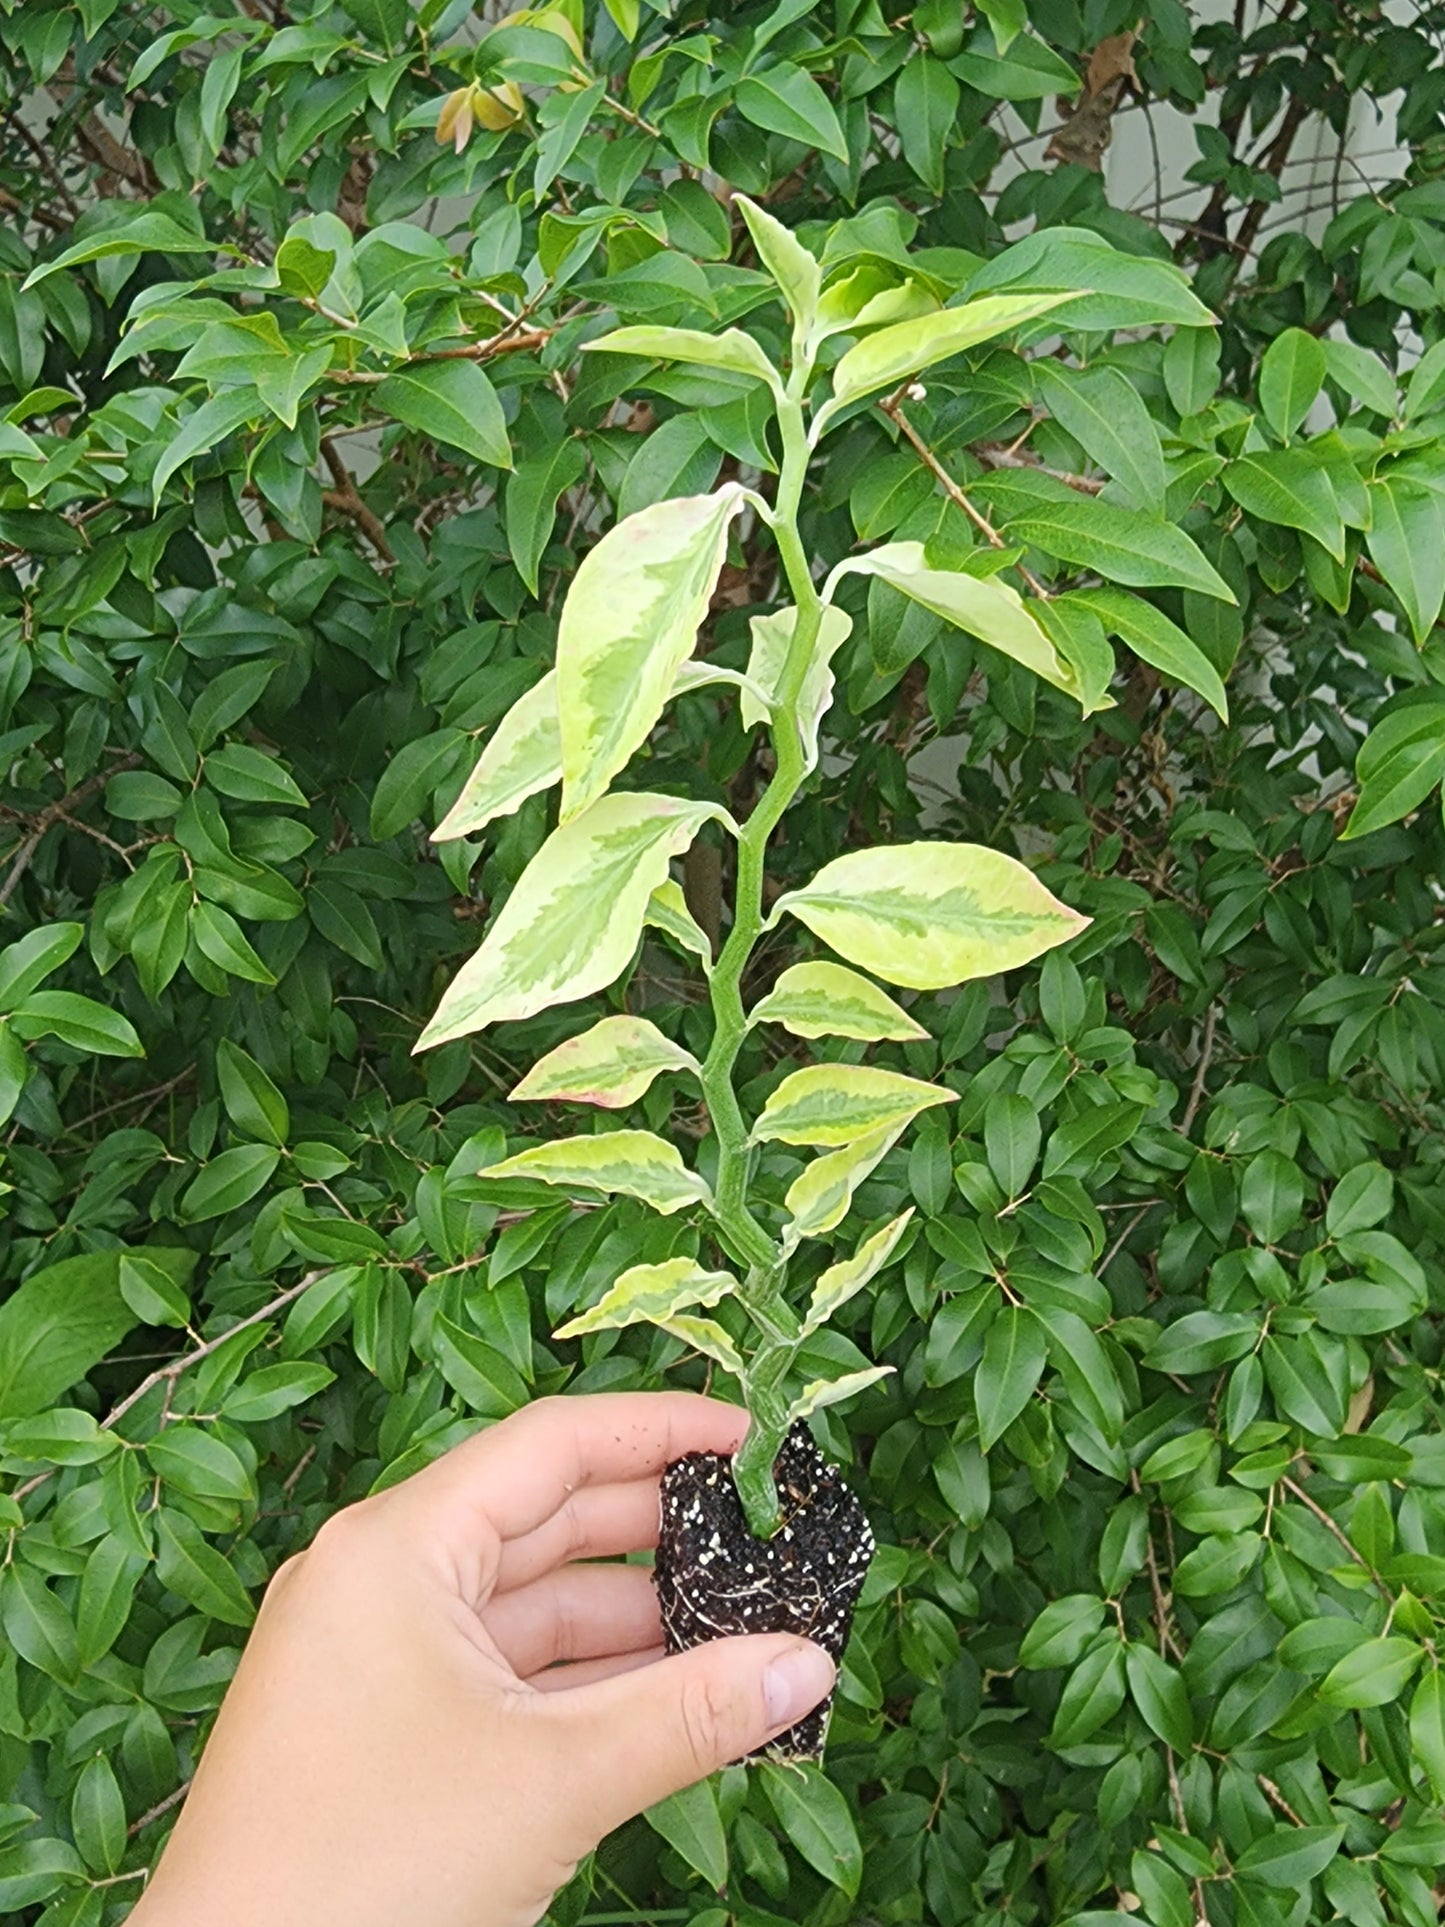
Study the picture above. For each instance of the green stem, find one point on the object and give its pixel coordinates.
(763, 1292)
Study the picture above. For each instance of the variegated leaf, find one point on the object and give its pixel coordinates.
(572, 922)
(629, 623)
(732, 350)
(844, 1280)
(705, 1336)
(820, 1196)
(523, 756)
(925, 915)
(826, 1391)
(771, 637)
(610, 1065)
(636, 1164)
(702, 675)
(829, 1104)
(667, 911)
(795, 270)
(829, 1000)
(983, 606)
(647, 1293)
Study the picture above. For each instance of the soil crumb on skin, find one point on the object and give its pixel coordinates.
(714, 1579)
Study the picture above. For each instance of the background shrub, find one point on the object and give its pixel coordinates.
(297, 454)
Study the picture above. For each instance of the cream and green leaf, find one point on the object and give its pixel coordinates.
(836, 1104)
(649, 1293)
(822, 1392)
(632, 1164)
(610, 1065)
(927, 915)
(844, 1280)
(820, 1196)
(829, 1000)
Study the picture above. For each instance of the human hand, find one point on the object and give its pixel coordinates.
(439, 1713)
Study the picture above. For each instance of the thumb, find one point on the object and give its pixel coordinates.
(645, 1734)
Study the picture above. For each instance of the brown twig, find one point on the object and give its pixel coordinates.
(1201, 1071)
(168, 1374)
(1329, 1524)
(55, 813)
(506, 342)
(161, 1807)
(892, 408)
(994, 455)
(1272, 1793)
(347, 498)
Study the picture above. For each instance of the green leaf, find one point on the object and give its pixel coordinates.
(230, 1180)
(274, 1389)
(836, 1104)
(1301, 1387)
(846, 1279)
(1123, 545)
(690, 1823)
(1011, 1135)
(1288, 1857)
(890, 355)
(819, 1197)
(1105, 413)
(64, 1320)
(983, 606)
(1291, 375)
(1014, 1356)
(1092, 1695)
(784, 257)
(203, 429)
(1271, 1195)
(452, 402)
(252, 1101)
(788, 101)
(650, 1293)
(572, 922)
(1400, 762)
(196, 1572)
(1427, 1729)
(343, 918)
(1191, 368)
(26, 963)
(634, 1163)
(533, 490)
(816, 1818)
(1159, 1692)
(610, 1065)
(1029, 69)
(37, 1625)
(523, 756)
(925, 106)
(1406, 540)
(107, 1593)
(78, 1021)
(1374, 1673)
(153, 1294)
(221, 941)
(927, 915)
(142, 231)
(198, 1463)
(1360, 1200)
(630, 621)
(1284, 486)
(1202, 1341)
(828, 1000)
(417, 769)
(1063, 1631)
(1126, 290)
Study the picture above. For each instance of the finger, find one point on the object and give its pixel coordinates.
(561, 1679)
(601, 1522)
(640, 1736)
(513, 1476)
(578, 1612)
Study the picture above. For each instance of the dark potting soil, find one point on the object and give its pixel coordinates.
(714, 1579)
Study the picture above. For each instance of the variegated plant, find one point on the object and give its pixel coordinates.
(922, 916)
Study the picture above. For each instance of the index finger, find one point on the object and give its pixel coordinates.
(514, 1476)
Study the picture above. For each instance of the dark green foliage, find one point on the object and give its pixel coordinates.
(1158, 1481)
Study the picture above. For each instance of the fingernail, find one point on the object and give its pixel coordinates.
(795, 1683)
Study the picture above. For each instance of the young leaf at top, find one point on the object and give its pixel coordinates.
(635, 1164)
(926, 915)
(829, 1000)
(610, 1065)
(646, 1293)
(795, 270)
(835, 1104)
(732, 350)
(983, 606)
(573, 920)
(844, 1280)
(629, 623)
(819, 1197)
